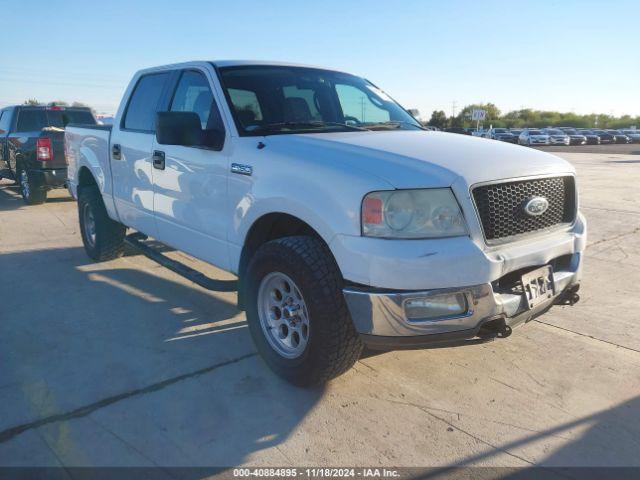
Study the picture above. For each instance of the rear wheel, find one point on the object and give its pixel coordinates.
(296, 311)
(103, 238)
(32, 192)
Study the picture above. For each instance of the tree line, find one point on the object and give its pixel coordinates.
(527, 117)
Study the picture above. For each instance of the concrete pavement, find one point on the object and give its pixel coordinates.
(126, 364)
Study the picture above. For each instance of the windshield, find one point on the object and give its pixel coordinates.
(500, 130)
(274, 100)
(535, 132)
(555, 132)
(570, 131)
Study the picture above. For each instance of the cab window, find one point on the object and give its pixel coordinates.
(193, 94)
(143, 104)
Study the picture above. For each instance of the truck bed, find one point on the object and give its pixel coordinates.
(89, 145)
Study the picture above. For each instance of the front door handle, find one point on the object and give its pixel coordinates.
(158, 159)
(116, 151)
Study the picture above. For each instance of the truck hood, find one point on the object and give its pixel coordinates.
(419, 159)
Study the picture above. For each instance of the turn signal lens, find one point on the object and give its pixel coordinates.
(372, 210)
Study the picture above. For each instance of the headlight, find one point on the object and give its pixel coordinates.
(426, 213)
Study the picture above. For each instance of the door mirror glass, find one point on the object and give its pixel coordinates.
(185, 128)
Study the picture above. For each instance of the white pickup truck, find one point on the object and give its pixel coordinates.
(346, 223)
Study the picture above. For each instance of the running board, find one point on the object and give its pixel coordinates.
(136, 240)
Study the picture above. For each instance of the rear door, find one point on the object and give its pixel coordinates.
(190, 192)
(130, 151)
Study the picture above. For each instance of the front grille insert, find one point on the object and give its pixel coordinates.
(500, 206)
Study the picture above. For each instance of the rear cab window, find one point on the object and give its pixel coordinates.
(143, 103)
(31, 120)
(35, 119)
(63, 117)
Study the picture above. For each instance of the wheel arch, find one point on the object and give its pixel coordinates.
(85, 178)
(270, 226)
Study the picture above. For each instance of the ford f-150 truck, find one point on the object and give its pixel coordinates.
(32, 146)
(346, 223)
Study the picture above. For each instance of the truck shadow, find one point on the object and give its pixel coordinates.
(123, 364)
(10, 198)
(602, 443)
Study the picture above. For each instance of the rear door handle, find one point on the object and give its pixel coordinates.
(158, 159)
(116, 151)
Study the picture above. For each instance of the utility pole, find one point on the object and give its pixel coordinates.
(453, 109)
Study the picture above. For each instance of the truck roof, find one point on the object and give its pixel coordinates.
(235, 63)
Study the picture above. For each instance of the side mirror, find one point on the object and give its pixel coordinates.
(184, 128)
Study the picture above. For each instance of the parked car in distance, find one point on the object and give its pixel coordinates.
(516, 132)
(372, 232)
(605, 137)
(634, 135)
(557, 136)
(618, 136)
(575, 138)
(590, 135)
(533, 136)
(32, 146)
(503, 135)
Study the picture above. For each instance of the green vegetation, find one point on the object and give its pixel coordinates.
(530, 118)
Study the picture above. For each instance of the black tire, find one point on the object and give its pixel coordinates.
(32, 192)
(107, 241)
(333, 345)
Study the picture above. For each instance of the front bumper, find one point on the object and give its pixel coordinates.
(380, 317)
(54, 178)
(393, 271)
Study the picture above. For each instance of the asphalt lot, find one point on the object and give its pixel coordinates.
(621, 149)
(127, 364)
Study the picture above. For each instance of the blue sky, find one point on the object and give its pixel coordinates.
(566, 55)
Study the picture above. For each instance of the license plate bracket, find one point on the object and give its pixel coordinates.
(538, 286)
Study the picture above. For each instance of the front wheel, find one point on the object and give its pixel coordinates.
(296, 311)
(103, 238)
(32, 193)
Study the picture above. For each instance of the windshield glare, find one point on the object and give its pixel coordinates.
(269, 99)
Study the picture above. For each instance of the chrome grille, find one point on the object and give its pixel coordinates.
(500, 206)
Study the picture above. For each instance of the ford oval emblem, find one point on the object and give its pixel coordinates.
(536, 206)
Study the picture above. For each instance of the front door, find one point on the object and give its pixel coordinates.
(131, 154)
(190, 183)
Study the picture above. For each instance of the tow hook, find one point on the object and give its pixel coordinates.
(496, 328)
(570, 296)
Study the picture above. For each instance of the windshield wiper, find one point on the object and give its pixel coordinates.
(279, 126)
(393, 124)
